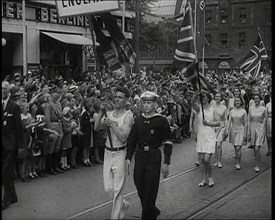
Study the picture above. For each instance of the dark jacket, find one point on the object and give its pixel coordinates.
(12, 130)
(86, 128)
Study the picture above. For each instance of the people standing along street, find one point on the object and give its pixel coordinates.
(237, 129)
(257, 118)
(206, 137)
(119, 122)
(12, 141)
(221, 116)
(148, 133)
(86, 127)
(53, 117)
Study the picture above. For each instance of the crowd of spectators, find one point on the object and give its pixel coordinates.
(79, 103)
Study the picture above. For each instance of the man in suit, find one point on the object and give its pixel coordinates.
(12, 139)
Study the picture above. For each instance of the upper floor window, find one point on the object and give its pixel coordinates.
(208, 16)
(208, 40)
(242, 15)
(224, 17)
(224, 40)
(242, 39)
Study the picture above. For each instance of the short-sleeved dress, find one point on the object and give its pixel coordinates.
(269, 120)
(237, 132)
(220, 113)
(257, 126)
(206, 138)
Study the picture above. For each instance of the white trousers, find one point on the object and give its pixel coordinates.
(114, 177)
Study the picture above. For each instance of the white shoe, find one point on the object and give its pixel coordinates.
(215, 164)
(211, 182)
(256, 169)
(219, 165)
(237, 166)
(202, 183)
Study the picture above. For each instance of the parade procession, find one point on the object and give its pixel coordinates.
(136, 109)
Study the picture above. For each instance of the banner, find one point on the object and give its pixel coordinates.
(77, 7)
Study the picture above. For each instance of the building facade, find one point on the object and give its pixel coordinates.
(43, 48)
(231, 28)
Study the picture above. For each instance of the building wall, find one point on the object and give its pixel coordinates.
(258, 14)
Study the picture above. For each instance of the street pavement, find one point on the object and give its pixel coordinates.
(79, 194)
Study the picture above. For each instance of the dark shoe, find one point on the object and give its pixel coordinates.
(58, 170)
(35, 175)
(31, 176)
(88, 164)
(5, 205)
(156, 212)
(25, 179)
(52, 172)
(63, 169)
(44, 173)
(74, 166)
(268, 153)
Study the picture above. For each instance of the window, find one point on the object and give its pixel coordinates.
(224, 40)
(208, 40)
(242, 39)
(223, 16)
(208, 16)
(242, 15)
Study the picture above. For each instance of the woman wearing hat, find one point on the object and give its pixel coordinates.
(206, 137)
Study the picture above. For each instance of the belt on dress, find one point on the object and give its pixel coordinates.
(115, 148)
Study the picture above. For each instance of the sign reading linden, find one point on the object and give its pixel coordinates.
(77, 7)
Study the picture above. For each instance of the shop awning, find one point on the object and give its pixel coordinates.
(70, 38)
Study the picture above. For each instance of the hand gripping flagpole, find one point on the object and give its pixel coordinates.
(97, 72)
(196, 52)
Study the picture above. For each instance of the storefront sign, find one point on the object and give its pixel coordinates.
(48, 14)
(79, 7)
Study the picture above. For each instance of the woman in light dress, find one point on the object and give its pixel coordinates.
(221, 116)
(193, 128)
(231, 102)
(237, 129)
(206, 137)
(269, 126)
(257, 118)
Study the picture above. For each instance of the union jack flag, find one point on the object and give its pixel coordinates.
(185, 51)
(253, 61)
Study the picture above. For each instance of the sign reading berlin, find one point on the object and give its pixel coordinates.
(77, 7)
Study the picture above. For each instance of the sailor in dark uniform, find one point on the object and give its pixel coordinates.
(149, 132)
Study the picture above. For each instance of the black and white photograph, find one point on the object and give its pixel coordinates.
(136, 109)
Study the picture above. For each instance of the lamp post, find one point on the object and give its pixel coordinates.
(24, 38)
(137, 36)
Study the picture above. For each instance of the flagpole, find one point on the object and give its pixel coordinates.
(196, 52)
(95, 53)
(262, 39)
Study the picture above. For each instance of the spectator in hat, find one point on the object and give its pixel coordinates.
(17, 79)
(53, 116)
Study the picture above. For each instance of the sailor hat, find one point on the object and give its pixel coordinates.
(149, 96)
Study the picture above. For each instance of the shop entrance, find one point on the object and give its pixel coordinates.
(61, 59)
(11, 55)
